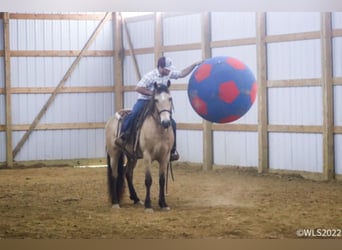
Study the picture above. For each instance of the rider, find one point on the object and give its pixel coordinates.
(161, 75)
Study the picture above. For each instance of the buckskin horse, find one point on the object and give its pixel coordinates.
(154, 143)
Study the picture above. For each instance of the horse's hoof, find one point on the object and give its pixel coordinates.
(139, 203)
(148, 210)
(165, 208)
(116, 206)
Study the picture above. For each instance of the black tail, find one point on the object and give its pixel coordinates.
(116, 187)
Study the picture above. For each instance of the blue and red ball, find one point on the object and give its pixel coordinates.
(222, 89)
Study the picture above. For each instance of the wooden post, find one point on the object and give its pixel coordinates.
(59, 86)
(118, 61)
(158, 36)
(8, 102)
(328, 97)
(208, 158)
(263, 162)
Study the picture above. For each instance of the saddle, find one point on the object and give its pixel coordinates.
(131, 146)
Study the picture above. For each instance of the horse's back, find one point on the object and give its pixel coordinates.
(111, 127)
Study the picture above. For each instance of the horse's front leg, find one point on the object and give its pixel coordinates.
(162, 201)
(148, 183)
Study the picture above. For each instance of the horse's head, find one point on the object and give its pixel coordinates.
(163, 103)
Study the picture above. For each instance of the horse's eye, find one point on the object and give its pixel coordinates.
(155, 100)
(170, 99)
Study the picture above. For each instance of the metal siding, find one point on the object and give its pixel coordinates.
(58, 34)
(2, 72)
(295, 151)
(190, 145)
(232, 25)
(2, 147)
(1, 34)
(338, 105)
(145, 64)
(236, 149)
(183, 112)
(141, 33)
(182, 29)
(292, 22)
(61, 144)
(295, 106)
(337, 20)
(338, 155)
(337, 58)
(294, 60)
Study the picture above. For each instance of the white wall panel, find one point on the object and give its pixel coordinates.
(141, 33)
(2, 109)
(294, 60)
(236, 149)
(337, 20)
(1, 34)
(338, 106)
(182, 29)
(49, 71)
(183, 112)
(66, 108)
(295, 151)
(61, 144)
(145, 64)
(190, 145)
(338, 155)
(295, 106)
(292, 22)
(337, 58)
(58, 34)
(2, 147)
(2, 72)
(232, 25)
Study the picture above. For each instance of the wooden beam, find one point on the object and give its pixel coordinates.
(8, 102)
(131, 49)
(328, 96)
(50, 90)
(56, 16)
(60, 85)
(60, 53)
(208, 145)
(158, 36)
(118, 61)
(263, 162)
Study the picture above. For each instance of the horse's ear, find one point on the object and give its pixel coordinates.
(168, 83)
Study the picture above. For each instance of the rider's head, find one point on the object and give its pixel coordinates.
(164, 65)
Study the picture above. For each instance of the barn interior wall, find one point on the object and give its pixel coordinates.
(294, 85)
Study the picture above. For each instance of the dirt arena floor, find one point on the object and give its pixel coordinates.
(72, 203)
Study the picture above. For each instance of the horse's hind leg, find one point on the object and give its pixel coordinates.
(129, 177)
(115, 178)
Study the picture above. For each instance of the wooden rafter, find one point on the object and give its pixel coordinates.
(60, 85)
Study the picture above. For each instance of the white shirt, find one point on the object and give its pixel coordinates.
(153, 76)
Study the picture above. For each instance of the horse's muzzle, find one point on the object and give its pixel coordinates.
(166, 123)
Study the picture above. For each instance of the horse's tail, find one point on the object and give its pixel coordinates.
(120, 182)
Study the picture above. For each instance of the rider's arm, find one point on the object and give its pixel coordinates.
(186, 71)
(143, 91)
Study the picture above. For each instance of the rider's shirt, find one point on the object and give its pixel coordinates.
(153, 76)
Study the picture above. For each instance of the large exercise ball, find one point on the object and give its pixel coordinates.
(222, 89)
